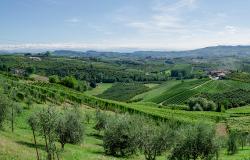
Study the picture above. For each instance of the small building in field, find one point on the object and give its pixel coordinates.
(17, 71)
(218, 74)
(35, 58)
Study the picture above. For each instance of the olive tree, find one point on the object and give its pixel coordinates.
(232, 143)
(14, 107)
(101, 120)
(196, 142)
(47, 119)
(33, 123)
(154, 140)
(3, 108)
(243, 136)
(69, 128)
(15, 110)
(120, 138)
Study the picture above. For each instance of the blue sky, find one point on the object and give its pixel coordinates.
(123, 24)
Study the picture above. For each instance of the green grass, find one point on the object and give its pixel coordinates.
(240, 155)
(151, 85)
(240, 110)
(180, 115)
(39, 78)
(100, 88)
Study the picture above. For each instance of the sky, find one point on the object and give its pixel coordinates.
(123, 24)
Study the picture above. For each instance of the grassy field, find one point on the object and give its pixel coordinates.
(151, 85)
(240, 155)
(100, 88)
(240, 110)
(39, 78)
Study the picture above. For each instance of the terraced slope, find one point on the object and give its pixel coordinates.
(179, 92)
(171, 89)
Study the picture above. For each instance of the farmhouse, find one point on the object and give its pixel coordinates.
(218, 74)
(35, 58)
(17, 71)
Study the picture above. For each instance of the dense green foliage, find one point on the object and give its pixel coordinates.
(239, 76)
(120, 137)
(155, 140)
(87, 69)
(197, 142)
(69, 128)
(230, 99)
(201, 104)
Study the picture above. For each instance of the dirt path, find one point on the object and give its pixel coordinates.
(201, 85)
(221, 129)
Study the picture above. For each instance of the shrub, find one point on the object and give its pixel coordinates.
(30, 70)
(200, 104)
(81, 86)
(92, 84)
(54, 79)
(70, 82)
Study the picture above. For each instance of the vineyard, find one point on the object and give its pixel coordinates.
(177, 89)
(179, 92)
(42, 92)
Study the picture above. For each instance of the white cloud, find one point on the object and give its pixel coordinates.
(164, 6)
(165, 18)
(73, 20)
(230, 29)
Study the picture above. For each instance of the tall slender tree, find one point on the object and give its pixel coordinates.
(33, 122)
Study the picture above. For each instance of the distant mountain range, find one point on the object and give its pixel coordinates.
(4, 52)
(202, 52)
